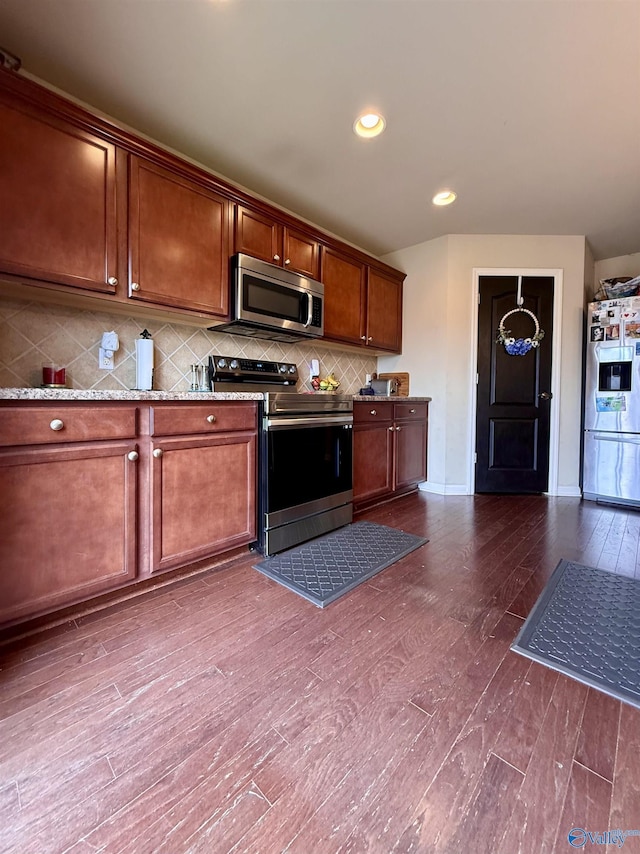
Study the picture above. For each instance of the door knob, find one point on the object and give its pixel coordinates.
(545, 395)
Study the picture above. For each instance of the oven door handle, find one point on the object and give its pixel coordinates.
(302, 422)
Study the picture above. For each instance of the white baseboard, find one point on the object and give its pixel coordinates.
(567, 492)
(443, 488)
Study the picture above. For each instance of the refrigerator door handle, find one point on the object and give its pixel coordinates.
(615, 437)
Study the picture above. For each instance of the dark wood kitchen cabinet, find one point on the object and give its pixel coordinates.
(363, 305)
(178, 241)
(68, 505)
(389, 449)
(259, 235)
(58, 199)
(203, 480)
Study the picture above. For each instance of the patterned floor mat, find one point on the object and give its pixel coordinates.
(329, 566)
(586, 624)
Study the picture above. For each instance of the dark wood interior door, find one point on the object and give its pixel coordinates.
(514, 392)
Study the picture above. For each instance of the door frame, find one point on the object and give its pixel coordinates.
(554, 415)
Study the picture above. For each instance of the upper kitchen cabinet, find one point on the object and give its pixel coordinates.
(344, 297)
(260, 236)
(178, 241)
(363, 305)
(58, 191)
(384, 311)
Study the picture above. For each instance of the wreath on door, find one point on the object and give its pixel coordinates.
(519, 346)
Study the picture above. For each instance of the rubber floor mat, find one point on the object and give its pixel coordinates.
(586, 624)
(329, 566)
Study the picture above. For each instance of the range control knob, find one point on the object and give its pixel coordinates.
(292, 369)
(233, 364)
(282, 369)
(222, 363)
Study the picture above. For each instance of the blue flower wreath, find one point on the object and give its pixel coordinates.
(519, 346)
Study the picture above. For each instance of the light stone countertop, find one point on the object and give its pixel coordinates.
(71, 394)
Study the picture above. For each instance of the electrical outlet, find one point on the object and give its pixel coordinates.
(105, 360)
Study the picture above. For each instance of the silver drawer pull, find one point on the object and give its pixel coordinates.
(373, 412)
(133, 456)
(157, 453)
(211, 419)
(56, 424)
(412, 411)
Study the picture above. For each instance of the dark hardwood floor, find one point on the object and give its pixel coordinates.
(228, 714)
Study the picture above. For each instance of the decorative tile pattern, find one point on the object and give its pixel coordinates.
(33, 334)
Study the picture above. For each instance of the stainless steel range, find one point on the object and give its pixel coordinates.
(305, 459)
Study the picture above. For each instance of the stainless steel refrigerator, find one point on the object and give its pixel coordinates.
(611, 463)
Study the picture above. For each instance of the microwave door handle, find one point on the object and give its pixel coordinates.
(309, 310)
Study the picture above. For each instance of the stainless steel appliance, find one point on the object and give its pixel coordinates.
(305, 457)
(611, 460)
(274, 303)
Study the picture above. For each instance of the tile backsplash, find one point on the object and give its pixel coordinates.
(33, 334)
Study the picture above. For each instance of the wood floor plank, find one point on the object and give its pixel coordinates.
(598, 737)
(586, 805)
(536, 817)
(625, 800)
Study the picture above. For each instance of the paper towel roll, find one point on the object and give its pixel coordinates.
(144, 364)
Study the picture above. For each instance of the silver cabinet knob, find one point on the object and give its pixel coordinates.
(135, 286)
(412, 411)
(363, 337)
(112, 280)
(287, 261)
(56, 424)
(276, 257)
(158, 453)
(211, 419)
(133, 456)
(391, 429)
(398, 429)
(373, 412)
(370, 338)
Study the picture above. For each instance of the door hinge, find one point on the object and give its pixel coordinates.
(477, 378)
(478, 297)
(475, 458)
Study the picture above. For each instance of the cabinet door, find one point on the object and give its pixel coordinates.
(301, 253)
(344, 297)
(372, 461)
(67, 525)
(410, 453)
(58, 208)
(257, 235)
(384, 312)
(178, 241)
(203, 492)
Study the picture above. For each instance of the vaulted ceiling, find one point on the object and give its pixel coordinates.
(528, 109)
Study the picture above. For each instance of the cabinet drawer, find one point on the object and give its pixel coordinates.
(410, 411)
(168, 420)
(367, 412)
(36, 425)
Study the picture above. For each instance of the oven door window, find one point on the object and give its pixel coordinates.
(306, 464)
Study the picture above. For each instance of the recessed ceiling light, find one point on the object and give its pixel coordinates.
(446, 197)
(369, 124)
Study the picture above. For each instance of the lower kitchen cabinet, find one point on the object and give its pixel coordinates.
(67, 506)
(99, 497)
(203, 481)
(389, 449)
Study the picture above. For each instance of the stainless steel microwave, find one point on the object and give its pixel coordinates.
(273, 303)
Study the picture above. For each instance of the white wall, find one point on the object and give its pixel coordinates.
(437, 351)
